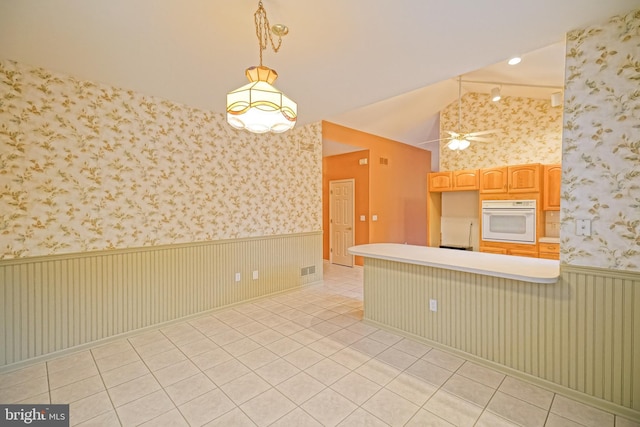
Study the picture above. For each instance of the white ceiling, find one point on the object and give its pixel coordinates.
(379, 66)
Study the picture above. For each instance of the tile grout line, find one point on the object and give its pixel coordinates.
(485, 409)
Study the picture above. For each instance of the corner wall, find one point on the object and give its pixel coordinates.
(601, 149)
(121, 211)
(397, 188)
(347, 166)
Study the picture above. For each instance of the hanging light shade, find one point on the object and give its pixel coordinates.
(258, 106)
(453, 144)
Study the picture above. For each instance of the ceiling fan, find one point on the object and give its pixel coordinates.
(457, 140)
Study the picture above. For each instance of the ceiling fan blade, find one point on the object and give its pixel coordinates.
(479, 139)
(448, 138)
(484, 132)
(453, 134)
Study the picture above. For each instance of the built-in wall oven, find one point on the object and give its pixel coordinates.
(512, 221)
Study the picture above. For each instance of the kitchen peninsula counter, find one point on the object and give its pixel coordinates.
(534, 270)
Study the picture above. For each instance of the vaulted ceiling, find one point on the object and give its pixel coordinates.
(379, 66)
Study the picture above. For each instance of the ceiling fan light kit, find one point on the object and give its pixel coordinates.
(458, 144)
(458, 140)
(258, 106)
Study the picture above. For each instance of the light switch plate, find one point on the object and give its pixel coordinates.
(363, 218)
(583, 227)
(374, 218)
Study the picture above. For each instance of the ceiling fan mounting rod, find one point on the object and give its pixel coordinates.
(459, 104)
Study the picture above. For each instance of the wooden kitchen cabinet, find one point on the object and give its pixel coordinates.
(510, 249)
(493, 180)
(467, 179)
(511, 179)
(460, 180)
(550, 250)
(524, 178)
(552, 177)
(521, 252)
(440, 181)
(493, 250)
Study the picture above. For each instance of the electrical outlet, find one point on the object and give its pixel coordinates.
(433, 304)
(255, 274)
(237, 277)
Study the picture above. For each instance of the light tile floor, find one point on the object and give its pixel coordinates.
(298, 359)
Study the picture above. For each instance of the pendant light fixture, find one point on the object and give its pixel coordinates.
(258, 106)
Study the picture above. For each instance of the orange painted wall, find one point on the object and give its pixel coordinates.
(346, 166)
(397, 190)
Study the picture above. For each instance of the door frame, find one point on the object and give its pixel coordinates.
(353, 219)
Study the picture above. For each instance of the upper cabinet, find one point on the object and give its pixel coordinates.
(468, 179)
(493, 180)
(460, 180)
(511, 179)
(552, 180)
(440, 181)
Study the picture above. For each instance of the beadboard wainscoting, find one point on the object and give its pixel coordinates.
(55, 303)
(579, 336)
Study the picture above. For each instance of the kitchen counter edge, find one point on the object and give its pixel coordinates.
(534, 270)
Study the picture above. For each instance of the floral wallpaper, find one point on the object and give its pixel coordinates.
(530, 131)
(86, 166)
(601, 147)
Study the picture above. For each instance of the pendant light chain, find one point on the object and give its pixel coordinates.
(258, 106)
(263, 31)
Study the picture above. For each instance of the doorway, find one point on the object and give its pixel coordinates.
(341, 221)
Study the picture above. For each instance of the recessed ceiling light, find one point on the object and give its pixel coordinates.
(515, 60)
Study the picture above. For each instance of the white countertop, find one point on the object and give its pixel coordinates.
(534, 270)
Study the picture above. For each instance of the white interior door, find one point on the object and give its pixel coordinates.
(341, 221)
